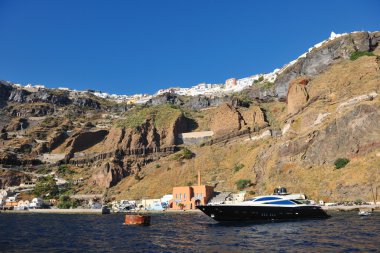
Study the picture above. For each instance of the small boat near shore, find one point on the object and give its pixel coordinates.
(364, 213)
(279, 206)
(106, 209)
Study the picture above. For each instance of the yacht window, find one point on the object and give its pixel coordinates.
(281, 202)
(267, 198)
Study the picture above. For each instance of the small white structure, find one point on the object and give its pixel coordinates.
(27, 185)
(22, 205)
(152, 204)
(11, 199)
(36, 203)
(3, 193)
(192, 138)
(167, 198)
(94, 204)
(127, 204)
(235, 197)
(2, 201)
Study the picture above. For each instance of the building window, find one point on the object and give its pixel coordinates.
(184, 195)
(180, 196)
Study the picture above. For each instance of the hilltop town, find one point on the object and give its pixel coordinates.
(231, 85)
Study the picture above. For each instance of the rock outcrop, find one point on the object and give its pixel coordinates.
(5, 92)
(26, 110)
(229, 119)
(86, 102)
(356, 132)
(12, 178)
(297, 95)
(19, 95)
(200, 102)
(84, 140)
(107, 174)
(165, 98)
(319, 59)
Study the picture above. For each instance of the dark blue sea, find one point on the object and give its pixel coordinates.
(185, 232)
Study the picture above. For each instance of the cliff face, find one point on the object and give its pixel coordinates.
(5, 92)
(229, 119)
(321, 108)
(319, 59)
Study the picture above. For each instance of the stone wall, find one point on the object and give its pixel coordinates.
(194, 138)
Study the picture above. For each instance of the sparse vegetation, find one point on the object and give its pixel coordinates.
(341, 163)
(243, 99)
(185, 153)
(243, 183)
(64, 170)
(46, 186)
(252, 193)
(237, 167)
(50, 122)
(358, 54)
(267, 85)
(158, 166)
(162, 116)
(66, 202)
(44, 170)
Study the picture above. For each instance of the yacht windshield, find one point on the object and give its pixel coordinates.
(267, 198)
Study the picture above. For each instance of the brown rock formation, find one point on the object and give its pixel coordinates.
(230, 119)
(254, 117)
(83, 140)
(297, 95)
(107, 174)
(346, 79)
(227, 119)
(56, 139)
(113, 139)
(12, 178)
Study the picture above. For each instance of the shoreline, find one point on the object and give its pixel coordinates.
(93, 211)
(374, 208)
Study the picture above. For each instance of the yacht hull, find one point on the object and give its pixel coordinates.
(262, 213)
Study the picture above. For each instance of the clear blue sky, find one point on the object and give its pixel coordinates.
(129, 47)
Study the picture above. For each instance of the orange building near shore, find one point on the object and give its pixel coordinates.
(188, 197)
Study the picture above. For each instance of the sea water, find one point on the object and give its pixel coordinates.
(185, 232)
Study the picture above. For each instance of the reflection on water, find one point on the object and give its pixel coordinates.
(187, 232)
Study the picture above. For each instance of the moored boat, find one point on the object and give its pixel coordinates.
(364, 213)
(279, 206)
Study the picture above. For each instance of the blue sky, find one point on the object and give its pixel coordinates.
(129, 47)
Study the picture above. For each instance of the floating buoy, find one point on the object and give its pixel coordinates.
(136, 219)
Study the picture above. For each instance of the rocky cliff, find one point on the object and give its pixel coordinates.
(321, 108)
(320, 59)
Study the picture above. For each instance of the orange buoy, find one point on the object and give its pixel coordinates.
(136, 219)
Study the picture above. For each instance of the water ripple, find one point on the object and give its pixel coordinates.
(192, 232)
